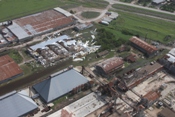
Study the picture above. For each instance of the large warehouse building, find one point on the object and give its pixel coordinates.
(60, 84)
(16, 104)
(144, 47)
(109, 66)
(43, 22)
(81, 108)
(8, 69)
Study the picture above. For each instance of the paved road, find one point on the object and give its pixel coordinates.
(137, 6)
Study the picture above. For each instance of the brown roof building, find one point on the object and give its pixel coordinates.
(131, 58)
(144, 47)
(109, 66)
(166, 113)
(8, 69)
(39, 23)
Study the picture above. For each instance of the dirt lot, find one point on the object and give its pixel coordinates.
(33, 79)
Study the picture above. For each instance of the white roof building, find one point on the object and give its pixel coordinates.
(81, 107)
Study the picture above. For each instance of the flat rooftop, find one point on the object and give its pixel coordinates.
(38, 23)
(81, 107)
(137, 76)
(8, 68)
(153, 83)
(143, 73)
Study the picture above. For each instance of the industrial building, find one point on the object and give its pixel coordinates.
(109, 66)
(60, 84)
(169, 61)
(58, 48)
(16, 104)
(144, 47)
(8, 69)
(150, 98)
(158, 2)
(130, 58)
(103, 53)
(6, 37)
(49, 51)
(40, 23)
(132, 78)
(109, 17)
(3, 42)
(166, 112)
(81, 107)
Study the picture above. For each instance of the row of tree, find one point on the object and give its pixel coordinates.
(107, 40)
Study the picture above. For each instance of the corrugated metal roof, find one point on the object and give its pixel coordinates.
(171, 58)
(38, 23)
(66, 13)
(172, 52)
(18, 31)
(110, 64)
(59, 85)
(50, 41)
(142, 44)
(8, 68)
(16, 104)
(152, 96)
(158, 1)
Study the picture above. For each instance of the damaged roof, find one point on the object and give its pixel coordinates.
(111, 64)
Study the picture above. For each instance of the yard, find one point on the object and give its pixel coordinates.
(15, 56)
(128, 25)
(90, 14)
(10, 9)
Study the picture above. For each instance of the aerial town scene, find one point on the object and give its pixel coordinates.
(87, 58)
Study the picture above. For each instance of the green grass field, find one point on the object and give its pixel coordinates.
(90, 14)
(151, 28)
(10, 9)
(143, 11)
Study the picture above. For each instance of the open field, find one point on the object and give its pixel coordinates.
(127, 25)
(90, 14)
(144, 11)
(10, 9)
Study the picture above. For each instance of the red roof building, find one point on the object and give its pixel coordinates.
(8, 68)
(151, 98)
(110, 65)
(144, 47)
